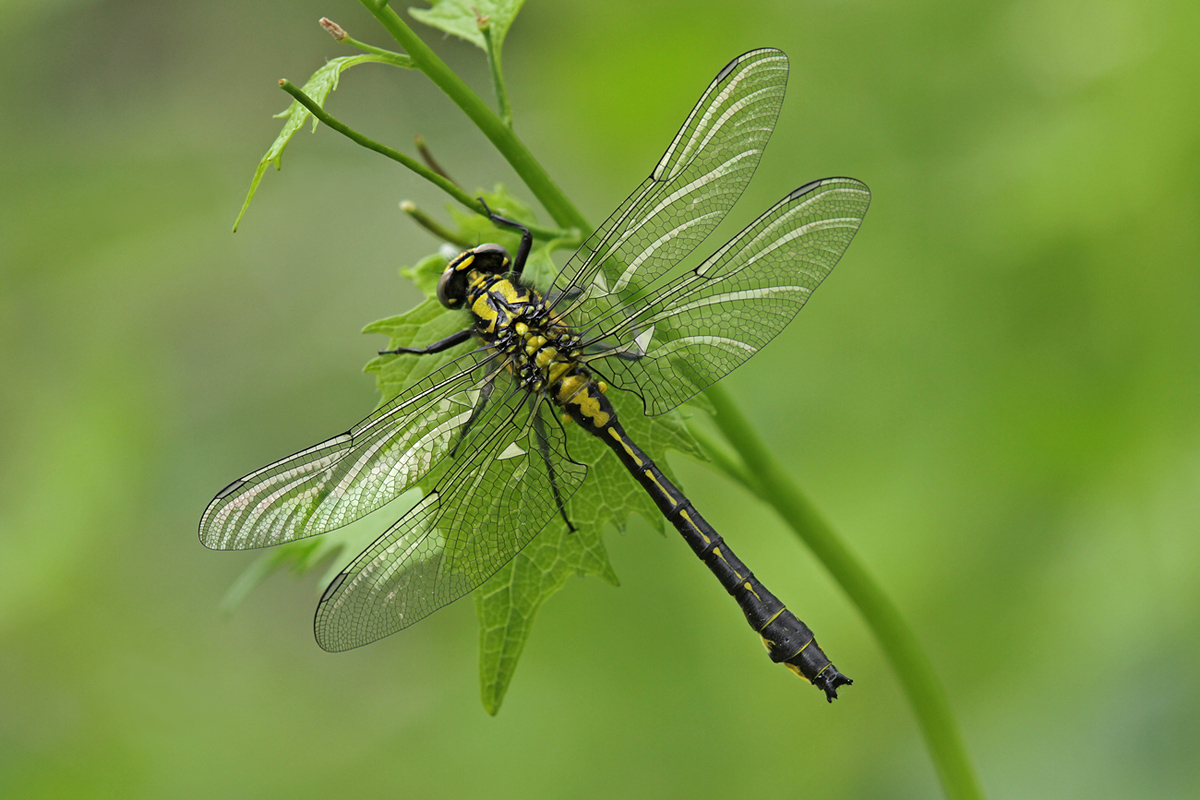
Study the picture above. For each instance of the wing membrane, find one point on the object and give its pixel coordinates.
(692, 187)
(494, 497)
(702, 326)
(341, 479)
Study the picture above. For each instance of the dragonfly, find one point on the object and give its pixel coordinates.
(485, 434)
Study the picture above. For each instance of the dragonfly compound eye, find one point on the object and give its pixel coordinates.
(451, 288)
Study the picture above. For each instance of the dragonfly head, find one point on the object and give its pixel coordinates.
(486, 258)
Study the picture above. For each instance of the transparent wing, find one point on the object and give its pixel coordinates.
(692, 187)
(341, 479)
(495, 496)
(702, 326)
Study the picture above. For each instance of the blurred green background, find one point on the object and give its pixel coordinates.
(994, 399)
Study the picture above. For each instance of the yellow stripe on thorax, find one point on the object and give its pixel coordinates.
(507, 291)
(482, 308)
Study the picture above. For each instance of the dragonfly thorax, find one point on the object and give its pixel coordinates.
(539, 350)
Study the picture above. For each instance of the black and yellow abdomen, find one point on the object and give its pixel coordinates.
(542, 353)
(788, 640)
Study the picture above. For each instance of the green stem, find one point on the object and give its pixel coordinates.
(433, 226)
(430, 161)
(513, 149)
(341, 37)
(898, 641)
(446, 185)
(493, 54)
(723, 460)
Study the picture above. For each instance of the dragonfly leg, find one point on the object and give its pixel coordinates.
(485, 394)
(437, 347)
(601, 349)
(526, 237)
(539, 428)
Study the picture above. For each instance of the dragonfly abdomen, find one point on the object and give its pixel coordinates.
(788, 640)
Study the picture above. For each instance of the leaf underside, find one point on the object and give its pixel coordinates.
(457, 18)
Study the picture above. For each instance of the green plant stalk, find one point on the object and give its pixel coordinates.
(723, 460)
(773, 486)
(341, 37)
(433, 226)
(446, 185)
(493, 54)
(399, 59)
(513, 149)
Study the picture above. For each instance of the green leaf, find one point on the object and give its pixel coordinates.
(457, 17)
(319, 86)
(301, 555)
(508, 603)
(428, 322)
(424, 275)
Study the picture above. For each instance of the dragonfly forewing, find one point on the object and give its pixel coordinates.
(346, 477)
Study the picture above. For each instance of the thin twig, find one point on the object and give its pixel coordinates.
(408, 161)
(433, 226)
(493, 54)
(429, 160)
(339, 35)
(548, 193)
